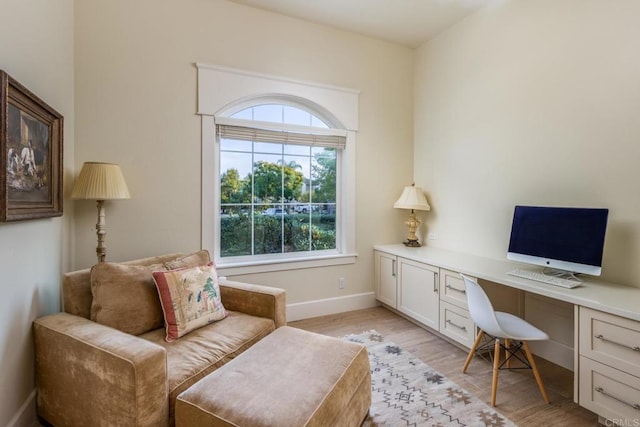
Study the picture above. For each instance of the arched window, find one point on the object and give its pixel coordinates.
(278, 172)
(278, 181)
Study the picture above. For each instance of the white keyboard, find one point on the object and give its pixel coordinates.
(540, 277)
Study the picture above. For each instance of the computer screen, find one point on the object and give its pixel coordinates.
(564, 238)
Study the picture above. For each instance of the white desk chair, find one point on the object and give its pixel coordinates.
(497, 326)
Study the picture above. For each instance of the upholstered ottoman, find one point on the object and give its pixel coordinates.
(289, 378)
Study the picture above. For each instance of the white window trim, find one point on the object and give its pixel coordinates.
(221, 90)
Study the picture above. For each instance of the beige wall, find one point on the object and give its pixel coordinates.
(136, 103)
(37, 50)
(532, 102)
(553, 85)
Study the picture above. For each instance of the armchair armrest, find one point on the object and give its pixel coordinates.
(257, 300)
(87, 372)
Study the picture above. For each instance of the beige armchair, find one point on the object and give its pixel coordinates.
(91, 374)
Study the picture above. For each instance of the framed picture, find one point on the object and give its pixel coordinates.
(30, 154)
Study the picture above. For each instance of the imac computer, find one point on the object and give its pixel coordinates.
(561, 238)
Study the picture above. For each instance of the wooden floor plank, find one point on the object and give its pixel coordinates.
(519, 398)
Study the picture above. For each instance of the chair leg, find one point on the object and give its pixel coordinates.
(472, 351)
(496, 368)
(536, 374)
(507, 355)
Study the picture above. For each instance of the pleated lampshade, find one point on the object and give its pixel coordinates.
(412, 198)
(100, 181)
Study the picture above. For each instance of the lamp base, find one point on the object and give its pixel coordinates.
(412, 243)
(412, 223)
(101, 231)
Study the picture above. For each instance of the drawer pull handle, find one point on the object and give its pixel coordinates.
(601, 337)
(635, 406)
(464, 328)
(463, 291)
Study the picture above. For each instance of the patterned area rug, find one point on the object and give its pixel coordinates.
(407, 392)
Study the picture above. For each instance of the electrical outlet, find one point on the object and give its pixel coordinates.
(432, 236)
(341, 283)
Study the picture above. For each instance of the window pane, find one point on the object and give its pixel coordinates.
(267, 147)
(297, 149)
(296, 233)
(316, 122)
(323, 234)
(323, 176)
(241, 164)
(246, 114)
(323, 151)
(268, 113)
(268, 231)
(293, 178)
(234, 189)
(296, 116)
(267, 179)
(235, 145)
(235, 230)
(303, 169)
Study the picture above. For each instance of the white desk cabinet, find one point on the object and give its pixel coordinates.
(606, 331)
(432, 296)
(408, 286)
(609, 382)
(385, 278)
(418, 291)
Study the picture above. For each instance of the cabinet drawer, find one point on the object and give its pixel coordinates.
(452, 289)
(612, 340)
(608, 392)
(456, 323)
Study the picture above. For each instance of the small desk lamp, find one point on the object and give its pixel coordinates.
(412, 198)
(100, 182)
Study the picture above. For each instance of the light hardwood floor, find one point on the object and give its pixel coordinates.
(518, 396)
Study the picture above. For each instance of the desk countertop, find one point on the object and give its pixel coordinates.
(608, 297)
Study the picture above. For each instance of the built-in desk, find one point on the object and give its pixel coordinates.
(423, 284)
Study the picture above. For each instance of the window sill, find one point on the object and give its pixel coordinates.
(251, 267)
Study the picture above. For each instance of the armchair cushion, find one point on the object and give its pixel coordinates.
(190, 299)
(125, 297)
(197, 354)
(76, 285)
(195, 259)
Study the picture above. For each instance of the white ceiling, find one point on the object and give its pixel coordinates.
(407, 22)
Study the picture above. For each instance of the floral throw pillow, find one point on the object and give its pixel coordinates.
(190, 299)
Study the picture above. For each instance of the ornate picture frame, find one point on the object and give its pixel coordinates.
(31, 145)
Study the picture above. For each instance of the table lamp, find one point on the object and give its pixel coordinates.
(100, 182)
(412, 198)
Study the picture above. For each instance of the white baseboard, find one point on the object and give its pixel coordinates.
(26, 415)
(323, 307)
